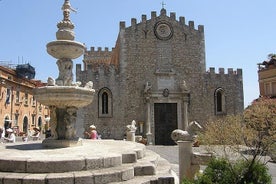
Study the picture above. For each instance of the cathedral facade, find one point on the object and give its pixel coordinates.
(156, 75)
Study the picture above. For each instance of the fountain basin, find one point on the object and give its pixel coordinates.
(64, 96)
(65, 49)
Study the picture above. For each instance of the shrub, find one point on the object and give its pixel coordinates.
(252, 172)
(218, 171)
(221, 171)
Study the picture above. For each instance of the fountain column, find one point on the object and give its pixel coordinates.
(61, 95)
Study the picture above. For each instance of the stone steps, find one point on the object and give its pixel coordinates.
(118, 162)
(163, 175)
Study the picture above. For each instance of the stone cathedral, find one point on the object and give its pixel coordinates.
(156, 75)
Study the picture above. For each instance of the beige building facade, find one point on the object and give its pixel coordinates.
(267, 78)
(19, 109)
(156, 75)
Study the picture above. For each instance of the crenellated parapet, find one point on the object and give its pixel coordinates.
(163, 13)
(221, 71)
(101, 72)
(97, 57)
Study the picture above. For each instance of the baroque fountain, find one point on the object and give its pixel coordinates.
(64, 157)
(62, 95)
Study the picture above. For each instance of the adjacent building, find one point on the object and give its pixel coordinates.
(156, 75)
(18, 108)
(267, 77)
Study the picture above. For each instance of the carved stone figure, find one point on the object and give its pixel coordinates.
(51, 82)
(65, 77)
(186, 135)
(130, 133)
(147, 87)
(70, 121)
(53, 122)
(183, 86)
(78, 84)
(89, 85)
(132, 127)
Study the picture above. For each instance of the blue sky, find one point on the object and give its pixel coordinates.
(238, 33)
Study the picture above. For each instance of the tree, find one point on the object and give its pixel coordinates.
(260, 121)
(252, 132)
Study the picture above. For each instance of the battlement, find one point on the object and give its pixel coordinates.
(162, 13)
(100, 52)
(221, 71)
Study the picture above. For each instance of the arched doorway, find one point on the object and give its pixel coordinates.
(25, 124)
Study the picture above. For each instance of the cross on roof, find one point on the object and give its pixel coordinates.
(163, 4)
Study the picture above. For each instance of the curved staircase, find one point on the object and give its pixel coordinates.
(96, 162)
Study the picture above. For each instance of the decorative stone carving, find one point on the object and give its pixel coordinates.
(77, 84)
(132, 126)
(183, 86)
(147, 87)
(89, 85)
(51, 81)
(188, 135)
(131, 129)
(53, 122)
(70, 123)
(163, 30)
(65, 77)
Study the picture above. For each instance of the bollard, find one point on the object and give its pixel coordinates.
(185, 160)
(130, 136)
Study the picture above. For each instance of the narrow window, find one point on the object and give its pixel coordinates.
(26, 99)
(8, 97)
(17, 97)
(104, 103)
(219, 101)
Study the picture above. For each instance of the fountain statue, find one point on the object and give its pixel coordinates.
(62, 95)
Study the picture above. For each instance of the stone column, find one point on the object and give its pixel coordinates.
(185, 160)
(185, 113)
(186, 97)
(148, 126)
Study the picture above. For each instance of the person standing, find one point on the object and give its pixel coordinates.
(11, 136)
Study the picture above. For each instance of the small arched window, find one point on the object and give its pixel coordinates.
(105, 103)
(219, 99)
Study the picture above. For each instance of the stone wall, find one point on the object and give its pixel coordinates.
(163, 51)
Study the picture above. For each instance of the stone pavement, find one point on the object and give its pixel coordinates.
(170, 153)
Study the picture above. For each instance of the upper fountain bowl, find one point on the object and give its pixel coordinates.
(61, 49)
(64, 96)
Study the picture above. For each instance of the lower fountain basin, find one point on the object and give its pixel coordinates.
(65, 49)
(64, 96)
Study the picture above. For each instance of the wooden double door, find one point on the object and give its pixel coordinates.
(165, 121)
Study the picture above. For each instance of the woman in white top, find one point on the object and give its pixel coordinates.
(11, 136)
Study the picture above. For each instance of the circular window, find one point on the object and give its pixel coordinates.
(163, 31)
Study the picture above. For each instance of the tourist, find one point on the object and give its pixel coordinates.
(2, 133)
(11, 136)
(92, 133)
(36, 133)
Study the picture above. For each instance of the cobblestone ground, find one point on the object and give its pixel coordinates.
(171, 154)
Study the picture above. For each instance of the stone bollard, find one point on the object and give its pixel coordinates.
(185, 153)
(189, 162)
(130, 133)
(130, 136)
